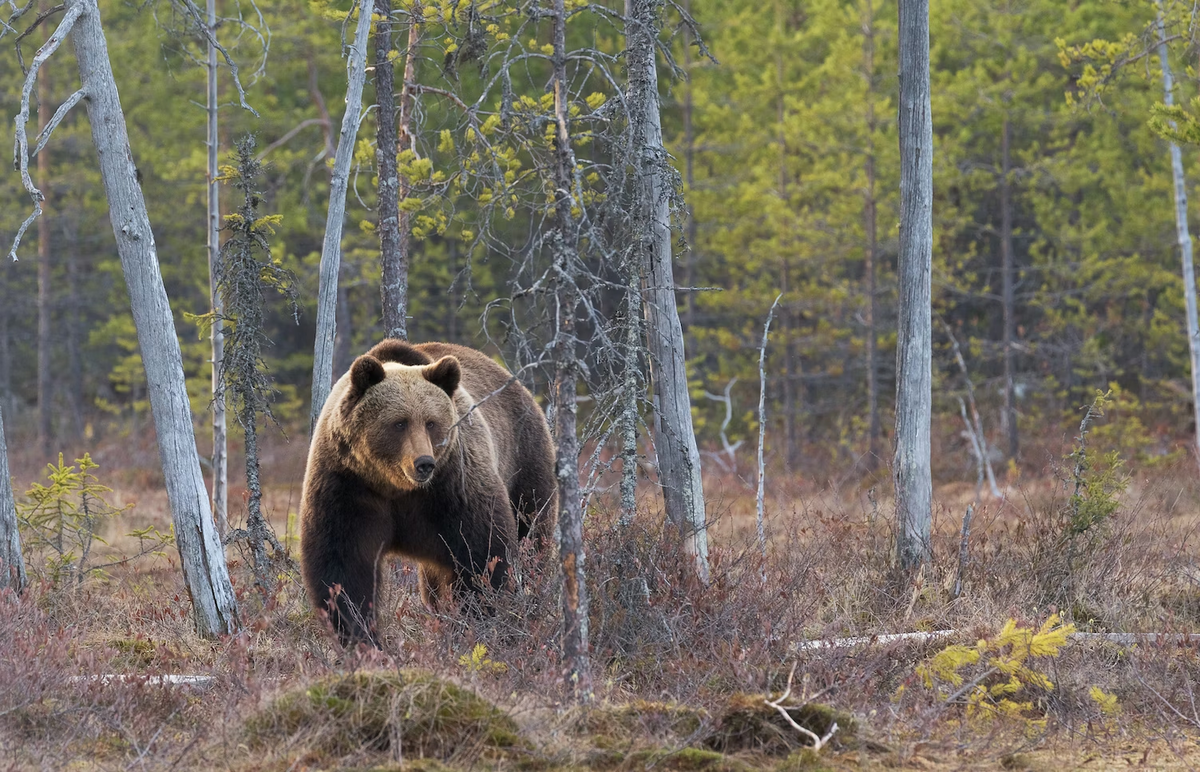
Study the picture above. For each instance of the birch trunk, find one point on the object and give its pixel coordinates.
(201, 555)
(1008, 277)
(675, 440)
(12, 564)
(565, 240)
(220, 456)
(331, 250)
(392, 286)
(1184, 237)
(914, 488)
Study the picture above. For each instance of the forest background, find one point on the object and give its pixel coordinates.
(785, 141)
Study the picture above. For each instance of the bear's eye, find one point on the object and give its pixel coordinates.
(402, 425)
(430, 425)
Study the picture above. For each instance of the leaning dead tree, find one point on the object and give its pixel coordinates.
(12, 563)
(914, 348)
(331, 249)
(203, 560)
(674, 438)
(244, 273)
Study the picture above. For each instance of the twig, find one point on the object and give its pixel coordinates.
(762, 430)
(818, 741)
(59, 114)
(730, 450)
(293, 132)
(981, 445)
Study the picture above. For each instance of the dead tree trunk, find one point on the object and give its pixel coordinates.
(689, 177)
(675, 440)
(914, 354)
(1009, 422)
(577, 672)
(392, 286)
(12, 564)
(201, 555)
(220, 454)
(870, 230)
(331, 250)
(45, 382)
(1184, 238)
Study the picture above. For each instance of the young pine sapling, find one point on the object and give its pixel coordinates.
(244, 272)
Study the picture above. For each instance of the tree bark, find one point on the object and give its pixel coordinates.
(405, 142)
(1007, 271)
(914, 369)
(577, 673)
(675, 439)
(201, 555)
(392, 286)
(12, 564)
(331, 250)
(1184, 238)
(220, 455)
(45, 382)
(870, 230)
(74, 331)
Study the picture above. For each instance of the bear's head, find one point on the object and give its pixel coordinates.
(400, 420)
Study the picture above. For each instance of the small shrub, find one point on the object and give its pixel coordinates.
(62, 521)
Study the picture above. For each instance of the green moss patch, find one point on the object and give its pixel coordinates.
(345, 714)
(749, 724)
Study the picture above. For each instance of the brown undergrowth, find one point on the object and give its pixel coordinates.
(682, 670)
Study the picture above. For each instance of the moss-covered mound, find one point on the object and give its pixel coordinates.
(345, 714)
(747, 723)
(642, 719)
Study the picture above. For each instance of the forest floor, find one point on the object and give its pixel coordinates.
(682, 672)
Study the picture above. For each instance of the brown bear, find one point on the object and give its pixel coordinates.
(429, 451)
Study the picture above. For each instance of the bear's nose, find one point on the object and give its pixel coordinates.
(424, 467)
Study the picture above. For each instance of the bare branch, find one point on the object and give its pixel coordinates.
(291, 133)
(21, 143)
(210, 37)
(817, 740)
(56, 119)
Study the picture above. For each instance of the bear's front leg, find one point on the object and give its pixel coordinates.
(481, 542)
(342, 546)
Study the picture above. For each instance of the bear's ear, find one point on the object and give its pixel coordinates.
(364, 373)
(400, 352)
(445, 374)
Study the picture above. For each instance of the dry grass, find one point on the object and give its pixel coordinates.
(681, 670)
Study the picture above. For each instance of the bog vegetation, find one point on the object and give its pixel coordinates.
(1057, 619)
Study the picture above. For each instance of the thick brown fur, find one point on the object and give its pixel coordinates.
(432, 452)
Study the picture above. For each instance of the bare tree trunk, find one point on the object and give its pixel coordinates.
(45, 383)
(914, 368)
(344, 336)
(203, 560)
(331, 250)
(393, 285)
(12, 564)
(577, 671)
(1184, 237)
(870, 230)
(675, 440)
(1009, 416)
(220, 455)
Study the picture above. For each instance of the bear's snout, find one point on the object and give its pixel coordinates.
(424, 466)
